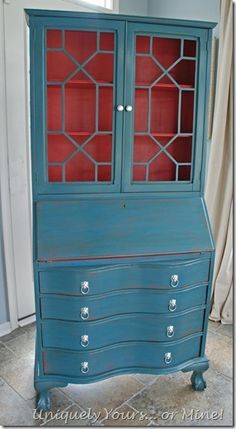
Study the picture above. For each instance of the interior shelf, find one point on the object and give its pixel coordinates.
(163, 85)
(164, 135)
(83, 133)
(84, 83)
(79, 133)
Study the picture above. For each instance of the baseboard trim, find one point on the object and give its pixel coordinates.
(5, 328)
(26, 320)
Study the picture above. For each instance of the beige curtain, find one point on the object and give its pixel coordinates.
(219, 185)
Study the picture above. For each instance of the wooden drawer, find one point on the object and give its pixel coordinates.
(134, 301)
(123, 328)
(133, 276)
(133, 356)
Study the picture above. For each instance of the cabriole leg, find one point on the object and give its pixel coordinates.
(43, 401)
(43, 396)
(198, 381)
(198, 369)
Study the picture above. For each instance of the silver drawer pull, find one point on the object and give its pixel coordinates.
(84, 287)
(168, 358)
(84, 367)
(174, 280)
(84, 340)
(84, 313)
(172, 305)
(170, 331)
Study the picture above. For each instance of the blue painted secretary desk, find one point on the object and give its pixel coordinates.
(123, 251)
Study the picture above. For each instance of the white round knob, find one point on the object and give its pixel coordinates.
(120, 108)
(129, 108)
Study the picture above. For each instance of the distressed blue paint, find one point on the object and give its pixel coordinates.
(106, 278)
(123, 355)
(35, 15)
(137, 301)
(96, 263)
(125, 239)
(113, 228)
(121, 328)
(50, 381)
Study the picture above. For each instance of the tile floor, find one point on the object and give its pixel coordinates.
(135, 400)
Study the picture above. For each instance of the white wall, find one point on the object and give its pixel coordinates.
(4, 316)
(197, 10)
(133, 7)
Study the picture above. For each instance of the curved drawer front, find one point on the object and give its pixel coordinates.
(143, 327)
(163, 275)
(136, 301)
(121, 356)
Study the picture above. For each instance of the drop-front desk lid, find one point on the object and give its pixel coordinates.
(78, 229)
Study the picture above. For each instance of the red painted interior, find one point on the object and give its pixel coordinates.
(107, 41)
(80, 123)
(80, 112)
(142, 44)
(54, 102)
(162, 169)
(166, 50)
(78, 90)
(54, 173)
(80, 169)
(141, 110)
(100, 148)
(190, 48)
(147, 71)
(59, 148)
(165, 98)
(181, 149)
(164, 110)
(184, 73)
(105, 108)
(59, 66)
(144, 148)
(54, 39)
(187, 112)
(81, 44)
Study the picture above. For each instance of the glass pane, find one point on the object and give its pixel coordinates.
(80, 99)
(164, 99)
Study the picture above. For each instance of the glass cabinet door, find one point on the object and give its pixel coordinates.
(162, 89)
(83, 83)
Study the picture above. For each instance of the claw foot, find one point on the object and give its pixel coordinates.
(43, 401)
(198, 381)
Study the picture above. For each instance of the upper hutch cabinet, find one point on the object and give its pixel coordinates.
(119, 105)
